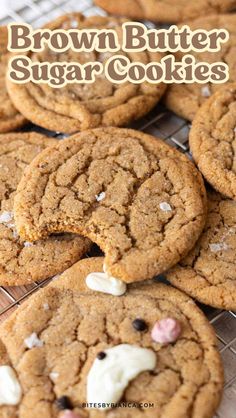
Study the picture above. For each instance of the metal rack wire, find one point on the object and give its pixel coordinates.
(159, 123)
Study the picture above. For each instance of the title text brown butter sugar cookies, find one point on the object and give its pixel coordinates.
(213, 140)
(78, 107)
(186, 99)
(10, 118)
(22, 262)
(208, 272)
(72, 336)
(166, 10)
(140, 200)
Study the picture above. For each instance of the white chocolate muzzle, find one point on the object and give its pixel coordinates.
(109, 377)
(10, 389)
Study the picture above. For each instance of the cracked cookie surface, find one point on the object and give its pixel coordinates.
(10, 118)
(22, 262)
(213, 140)
(140, 200)
(73, 325)
(186, 99)
(77, 107)
(166, 10)
(208, 272)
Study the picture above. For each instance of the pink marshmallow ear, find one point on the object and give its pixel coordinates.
(69, 414)
(166, 331)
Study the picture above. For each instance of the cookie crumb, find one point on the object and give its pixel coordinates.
(165, 207)
(100, 196)
(46, 306)
(33, 341)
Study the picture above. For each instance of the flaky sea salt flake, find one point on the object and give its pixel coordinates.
(218, 247)
(54, 375)
(206, 91)
(6, 217)
(28, 244)
(100, 196)
(33, 341)
(165, 207)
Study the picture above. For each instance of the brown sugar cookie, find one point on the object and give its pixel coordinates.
(166, 10)
(10, 118)
(140, 200)
(22, 262)
(213, 140)
(73, 335)
(208, 271)
(77, 107)
(186, 99)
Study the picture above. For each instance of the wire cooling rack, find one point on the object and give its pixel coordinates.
(160, 123)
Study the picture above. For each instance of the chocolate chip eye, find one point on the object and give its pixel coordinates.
(101, 355)
(63, 403)
(139, 325)
(153, 373)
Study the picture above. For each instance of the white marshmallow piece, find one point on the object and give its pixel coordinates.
(109, 377)
(10, 389)
(101, 282)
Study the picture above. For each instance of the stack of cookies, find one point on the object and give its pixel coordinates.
(106, 339)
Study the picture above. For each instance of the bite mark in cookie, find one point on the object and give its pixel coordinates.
(22, 262)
